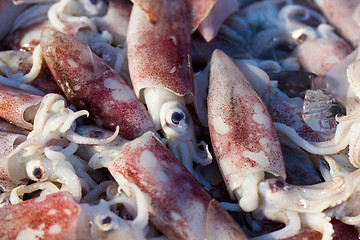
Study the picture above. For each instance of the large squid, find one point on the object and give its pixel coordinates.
(242, 133)
(250, 159)
(160, 69)
(178, 205)
(89, 83)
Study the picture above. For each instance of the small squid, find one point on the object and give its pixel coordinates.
(321, 54)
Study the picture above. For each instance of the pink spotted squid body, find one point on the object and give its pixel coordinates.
(179, 120)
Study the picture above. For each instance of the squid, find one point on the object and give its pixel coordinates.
(314, 206)
(346, 133)
(242, 132)
(20, 70)
(161, 73)
(7, 127)
(93, 85)
(120, 11)
(47, 152)
(246, 147)
(93, 23)
(302, 206)
(26, 28)
(58, 216)
(321, 54)
(222, 9)
(178, 205)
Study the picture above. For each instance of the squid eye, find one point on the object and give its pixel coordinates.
(177, 117)
(302, 38)
(107, 223)
(38, 172)
(175, 120)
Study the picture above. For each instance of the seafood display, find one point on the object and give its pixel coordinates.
(195, 119)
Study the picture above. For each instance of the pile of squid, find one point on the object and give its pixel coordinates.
(166, 119)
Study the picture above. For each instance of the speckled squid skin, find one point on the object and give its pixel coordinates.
(241, 130)
(159, 46)
(199, 10)
(89, 83)
(50, 217)
(178, 205)
(13, 104)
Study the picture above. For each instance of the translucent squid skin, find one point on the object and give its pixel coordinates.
(14, 104)
(178, 205)
(242, 133)
(89, 83)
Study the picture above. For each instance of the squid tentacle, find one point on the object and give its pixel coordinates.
(69, 181)
(293, 225)
(329, 147)
(97, 191)
(17, 193)
(76, 138)
(302, 13)
(142, 214)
